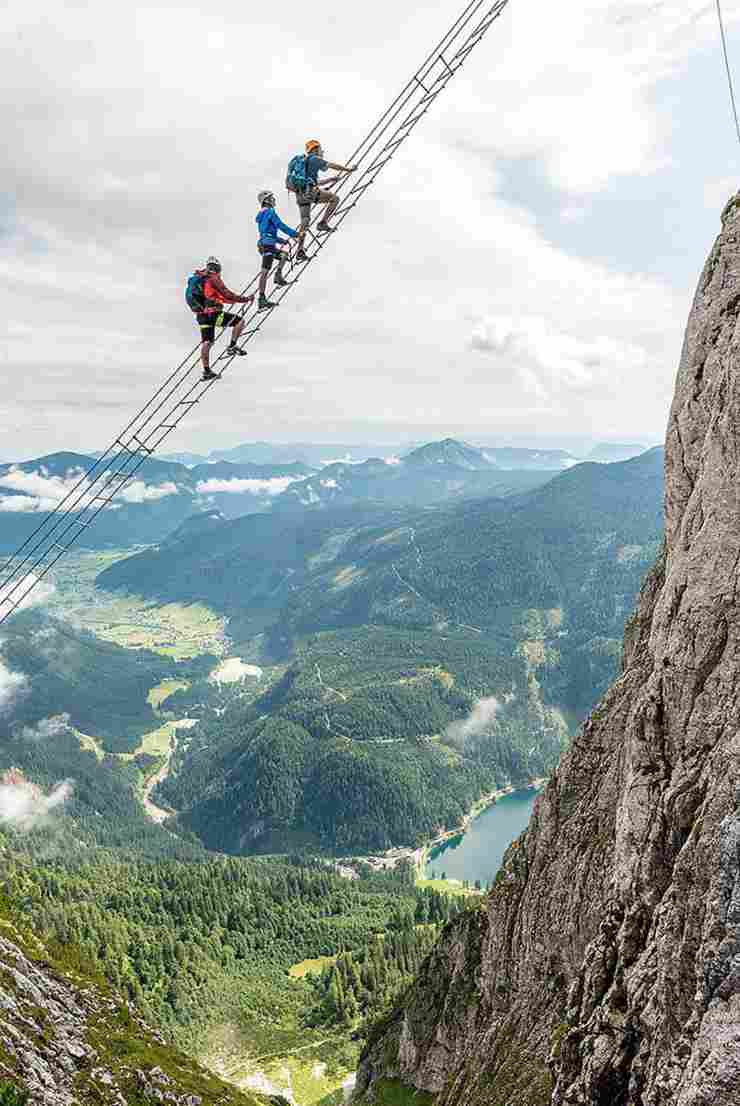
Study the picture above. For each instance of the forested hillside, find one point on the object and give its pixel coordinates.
(390, 626)
(217, 948)
(66, 1037)
(356, 749)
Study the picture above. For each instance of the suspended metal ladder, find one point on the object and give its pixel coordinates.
(97, 488)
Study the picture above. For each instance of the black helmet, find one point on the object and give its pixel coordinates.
(213, 265)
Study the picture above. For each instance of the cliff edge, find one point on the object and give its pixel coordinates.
(604, 967)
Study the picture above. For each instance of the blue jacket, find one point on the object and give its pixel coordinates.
(270, 223)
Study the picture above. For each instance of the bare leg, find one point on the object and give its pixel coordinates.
(205, 355)
(236, 331)
(331, 207)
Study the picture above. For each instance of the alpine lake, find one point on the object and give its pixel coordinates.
(477, 853)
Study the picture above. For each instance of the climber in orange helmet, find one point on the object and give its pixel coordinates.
(303, 179)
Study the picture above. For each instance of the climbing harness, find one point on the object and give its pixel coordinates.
(183, 389)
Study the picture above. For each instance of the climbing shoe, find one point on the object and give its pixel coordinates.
(208, 374)
(235, 351)
(324, 228)
(264, 304)
(281, 282)
(301, 256)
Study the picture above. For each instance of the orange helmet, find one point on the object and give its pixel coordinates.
(312, 145)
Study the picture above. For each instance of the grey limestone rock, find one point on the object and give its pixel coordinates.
(604, 967)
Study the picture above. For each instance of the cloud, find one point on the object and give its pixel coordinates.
(46, 728)
(11, 684)
(236, 486)
(549, 360)
(27, 591)
(561, 106)
(480, 719)
(139, 492)
(23, 805)
(40, 491)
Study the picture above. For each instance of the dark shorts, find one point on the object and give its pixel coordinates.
(209, 321)
(270, 254)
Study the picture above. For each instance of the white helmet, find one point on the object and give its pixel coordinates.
(213, 265)
(266, 198)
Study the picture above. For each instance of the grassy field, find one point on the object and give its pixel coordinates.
(310, 967)
(446, 886)
(311, 1070)
(173, 630)
(162, 691)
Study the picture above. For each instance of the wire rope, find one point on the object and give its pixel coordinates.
(728, 69)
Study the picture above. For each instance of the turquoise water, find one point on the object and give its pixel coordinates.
(478, 853)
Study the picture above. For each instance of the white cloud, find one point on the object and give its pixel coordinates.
(269, 487)
(548, 360)
(10, 685)
(566, 101)
(23, 805)
(480, 719)
(27, 591)
(139, 492)
(44, 492)
(46, 728)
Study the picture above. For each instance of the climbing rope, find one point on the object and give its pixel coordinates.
(727, 68)
(95, 489)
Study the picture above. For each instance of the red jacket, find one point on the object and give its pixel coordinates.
(216, 292)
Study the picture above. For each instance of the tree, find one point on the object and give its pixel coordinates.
(12, 1095)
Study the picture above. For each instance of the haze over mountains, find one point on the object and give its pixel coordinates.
(165, 493)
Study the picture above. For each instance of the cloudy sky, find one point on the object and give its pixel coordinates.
(522, 270)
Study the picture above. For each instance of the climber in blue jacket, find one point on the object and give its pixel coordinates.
(270, 224)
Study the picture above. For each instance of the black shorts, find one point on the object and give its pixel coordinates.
(209, 321)
(270, 254)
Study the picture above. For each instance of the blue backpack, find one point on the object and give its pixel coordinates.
(194, 294)
(296, 180)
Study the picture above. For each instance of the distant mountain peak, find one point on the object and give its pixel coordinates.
(450, 451)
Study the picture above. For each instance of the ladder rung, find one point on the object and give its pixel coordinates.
(166, 426)
(359, 188)
(141, 445)
(188, 402)
(393, 145)
(379, 165)
(413, 120)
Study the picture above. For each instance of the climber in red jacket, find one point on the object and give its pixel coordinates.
(208, 301)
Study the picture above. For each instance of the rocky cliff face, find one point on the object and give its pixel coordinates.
(604, 968)
(65, 1041)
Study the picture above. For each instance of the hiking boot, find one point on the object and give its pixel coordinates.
(281, 282)
(301, 256)
(235, 351)
(264, 304)
(324, 228)
(208, 374)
